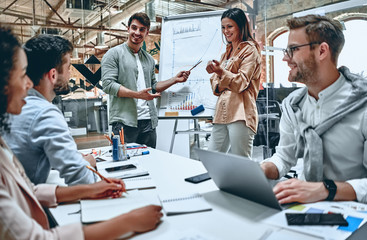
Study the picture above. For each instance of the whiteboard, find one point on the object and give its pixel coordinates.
(186, 40)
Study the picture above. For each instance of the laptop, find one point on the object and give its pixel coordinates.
(239, 176)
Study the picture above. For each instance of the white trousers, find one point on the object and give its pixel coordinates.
(235, 138)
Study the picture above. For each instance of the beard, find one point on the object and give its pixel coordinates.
(61, 87)
(306, 71)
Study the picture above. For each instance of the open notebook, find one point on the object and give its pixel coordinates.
(104, 209)
(184, 203)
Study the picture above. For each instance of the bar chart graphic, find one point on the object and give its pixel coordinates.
(181, 101)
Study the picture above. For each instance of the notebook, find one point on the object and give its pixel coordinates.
(105, 209)
(183, 203)
(139, 183)
(239, 176)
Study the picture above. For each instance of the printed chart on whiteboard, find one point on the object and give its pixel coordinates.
(189, 43)
(181, 101)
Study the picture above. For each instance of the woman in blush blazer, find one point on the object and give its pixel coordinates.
(21, 212)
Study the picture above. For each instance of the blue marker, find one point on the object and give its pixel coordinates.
(136, 146)
(139, 154)
(145, 153)
(197, 110)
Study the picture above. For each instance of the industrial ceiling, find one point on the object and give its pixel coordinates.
(87, 23)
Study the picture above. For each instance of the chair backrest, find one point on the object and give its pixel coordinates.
(265, 106)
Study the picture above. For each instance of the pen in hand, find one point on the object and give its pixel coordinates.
(100, 175)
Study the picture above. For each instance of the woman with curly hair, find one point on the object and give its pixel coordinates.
(21, 212)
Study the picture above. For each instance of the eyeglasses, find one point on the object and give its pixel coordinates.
(289, 50)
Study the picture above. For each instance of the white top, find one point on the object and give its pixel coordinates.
(142, 105)
(344, 145)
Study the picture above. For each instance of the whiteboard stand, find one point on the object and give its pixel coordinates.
(189, 38)
(196, 130)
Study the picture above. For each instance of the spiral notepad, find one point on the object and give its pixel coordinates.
(181, 204)
(139, 183)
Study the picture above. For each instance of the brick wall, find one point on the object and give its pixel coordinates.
(276, 12)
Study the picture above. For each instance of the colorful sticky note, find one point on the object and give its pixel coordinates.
(298, 207)
(314, 210)
(353, 224)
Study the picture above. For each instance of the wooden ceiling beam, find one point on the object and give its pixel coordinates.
(201, 4)
(57, 7)
(28, 16)
(53, 10)
(68, 26)
(8, 6)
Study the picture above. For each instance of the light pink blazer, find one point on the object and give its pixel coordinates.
(21, 213)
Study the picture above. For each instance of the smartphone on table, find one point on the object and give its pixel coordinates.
(316, 219)
(121, 168)
(198, 178)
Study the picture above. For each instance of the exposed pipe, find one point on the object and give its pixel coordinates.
(34, 13)
(68, 27)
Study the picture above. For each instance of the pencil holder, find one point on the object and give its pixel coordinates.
(122, 156)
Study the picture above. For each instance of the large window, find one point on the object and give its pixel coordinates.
(354, 53)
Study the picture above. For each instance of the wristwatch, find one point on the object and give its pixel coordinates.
(331, 187)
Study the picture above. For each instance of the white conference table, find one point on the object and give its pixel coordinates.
(231, 217)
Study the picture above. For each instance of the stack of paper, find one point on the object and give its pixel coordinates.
(353, 212)
(184, 203)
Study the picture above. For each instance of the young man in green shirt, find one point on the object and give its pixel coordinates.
(128, 77)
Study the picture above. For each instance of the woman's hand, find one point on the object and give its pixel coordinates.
(214, 66)
(104, 189)
(139, 220)
(146, 218)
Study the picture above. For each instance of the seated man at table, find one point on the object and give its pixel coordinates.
(325, 123)
(39, 136)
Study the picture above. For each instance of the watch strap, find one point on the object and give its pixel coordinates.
(331, 187)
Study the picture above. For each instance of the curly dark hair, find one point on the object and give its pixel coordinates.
(9, 46)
